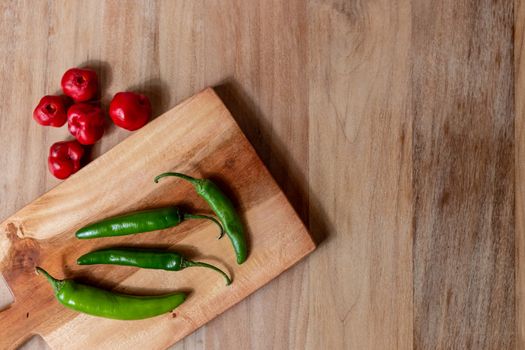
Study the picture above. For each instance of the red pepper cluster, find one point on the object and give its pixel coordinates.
(80, 108)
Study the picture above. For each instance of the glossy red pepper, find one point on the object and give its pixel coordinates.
(130, 110)
(64, 158)
(85, 122)
(51, 111)
(80, 84)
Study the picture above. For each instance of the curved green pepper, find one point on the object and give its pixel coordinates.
(144, 258)
(99, 302)
(142, 221)
(223, 208)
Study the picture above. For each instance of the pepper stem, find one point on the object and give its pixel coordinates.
(190, 179)
(188, 263)
(197, 216)
(54, 282)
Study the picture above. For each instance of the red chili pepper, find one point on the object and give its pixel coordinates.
(80, 84)
(51, 111)
(64, 158)
(130, 110)
(86, 123)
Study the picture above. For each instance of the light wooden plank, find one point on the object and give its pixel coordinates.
(360, 175)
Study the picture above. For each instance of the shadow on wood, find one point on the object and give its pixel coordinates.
(270, 149)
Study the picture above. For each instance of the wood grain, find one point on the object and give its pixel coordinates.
(346, 102)
(519, 91)
(366, 193)
(463, 107)
(200, 137)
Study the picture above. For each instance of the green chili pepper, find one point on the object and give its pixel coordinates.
(145, 258)
(142, 221)
(99, 302)
(223, 208)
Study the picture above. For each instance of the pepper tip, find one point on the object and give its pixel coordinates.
(158, 177)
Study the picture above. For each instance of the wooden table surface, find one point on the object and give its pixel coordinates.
(395, 128)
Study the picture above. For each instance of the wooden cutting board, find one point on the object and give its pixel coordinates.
(198, 137)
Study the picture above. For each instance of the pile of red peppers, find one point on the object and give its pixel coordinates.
(80, 107)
